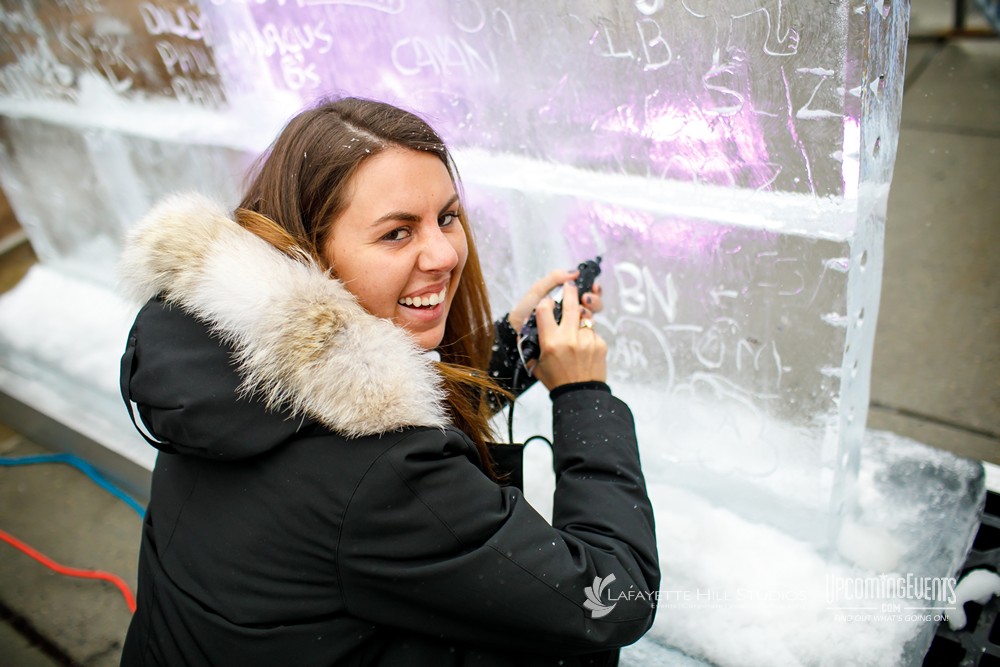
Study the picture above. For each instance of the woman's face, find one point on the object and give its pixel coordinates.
(399, 246)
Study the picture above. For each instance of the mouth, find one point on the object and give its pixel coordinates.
(426, 300)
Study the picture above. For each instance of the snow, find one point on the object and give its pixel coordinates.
(976, 586)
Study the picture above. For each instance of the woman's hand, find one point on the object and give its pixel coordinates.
(570, 352)
(520, 313)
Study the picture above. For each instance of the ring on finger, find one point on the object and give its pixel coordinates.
(587, 324)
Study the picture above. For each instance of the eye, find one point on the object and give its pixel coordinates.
(448, 219)
(398, 234)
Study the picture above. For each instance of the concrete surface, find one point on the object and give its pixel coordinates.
(936, 371)
(937, 17)
(61, 513)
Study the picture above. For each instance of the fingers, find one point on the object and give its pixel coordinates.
(553, 280)
(545, 318)
(569, 353)
(593, 302)
(567, 329)
(556, 278)
(593, 299)
(522, 311)
(570, 306)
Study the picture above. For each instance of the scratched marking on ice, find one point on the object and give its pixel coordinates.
(386, 6)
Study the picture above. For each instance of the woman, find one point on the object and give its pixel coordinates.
(325, 493)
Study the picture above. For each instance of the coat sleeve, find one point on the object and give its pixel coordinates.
(505, 367)
(429, 544)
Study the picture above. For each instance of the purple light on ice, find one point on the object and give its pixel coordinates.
(687, 144)
(641, 233)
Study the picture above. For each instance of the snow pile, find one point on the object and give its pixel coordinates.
(976, 586)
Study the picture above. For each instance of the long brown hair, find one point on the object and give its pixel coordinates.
(298, 188)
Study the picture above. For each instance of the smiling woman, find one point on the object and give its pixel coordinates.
(365, 183)
(399, 245)
(325, 493)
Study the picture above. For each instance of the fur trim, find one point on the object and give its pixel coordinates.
(301, 338)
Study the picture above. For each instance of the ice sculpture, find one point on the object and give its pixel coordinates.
(730, 159)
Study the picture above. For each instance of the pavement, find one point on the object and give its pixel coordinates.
(936, 368)
(936, 375)
(50, 619)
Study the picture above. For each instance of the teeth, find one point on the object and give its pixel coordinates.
(425, 301)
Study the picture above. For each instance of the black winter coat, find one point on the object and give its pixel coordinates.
(275, 538)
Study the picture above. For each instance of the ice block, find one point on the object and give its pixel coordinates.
(731, 159)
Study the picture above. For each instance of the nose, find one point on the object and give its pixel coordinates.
(438, 253)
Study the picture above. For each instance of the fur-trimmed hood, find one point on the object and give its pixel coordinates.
(301, 340)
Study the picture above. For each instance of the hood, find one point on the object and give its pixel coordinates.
(300, 342)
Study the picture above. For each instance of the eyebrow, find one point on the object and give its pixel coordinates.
(405, 216)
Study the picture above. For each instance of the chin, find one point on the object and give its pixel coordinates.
(426, 340)
(429, 341)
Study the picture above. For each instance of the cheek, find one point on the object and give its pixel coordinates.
(377, 289)
(461, 246)
(351, 269)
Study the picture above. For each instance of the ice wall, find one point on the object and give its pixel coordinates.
(729, 158)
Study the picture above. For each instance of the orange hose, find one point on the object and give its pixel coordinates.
(71, 571)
